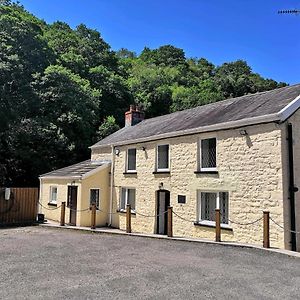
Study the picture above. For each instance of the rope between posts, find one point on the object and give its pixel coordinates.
(184, 219)
(79, 210)
(54, 208)
(106, 212)
(297, 232)
(148, 216)
(233, 222)
(245, 224)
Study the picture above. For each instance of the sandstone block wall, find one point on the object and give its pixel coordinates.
(249, 169)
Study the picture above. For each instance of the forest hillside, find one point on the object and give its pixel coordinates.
(63, 88)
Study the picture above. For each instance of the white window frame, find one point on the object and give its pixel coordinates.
(169, 158)
(126, 198)
(127, 160)
(51, 193)
(200, 155)
(95, 188)
(199, 199)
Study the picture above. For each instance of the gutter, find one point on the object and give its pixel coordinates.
(112, 170)
(292, 188)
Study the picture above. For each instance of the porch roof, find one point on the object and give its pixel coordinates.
(77, 171)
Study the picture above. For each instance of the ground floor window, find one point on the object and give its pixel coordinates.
(53, 194)
(127, 197)
(208, 202)
(95, 197)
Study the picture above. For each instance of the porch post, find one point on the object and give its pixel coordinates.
(128, 218)
(170, 222)
(62, 213)
(266, 242)
(93, 216)
(218, 225)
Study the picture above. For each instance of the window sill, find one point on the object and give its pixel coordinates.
(123, 211)
(212, 224)
(207, 172)
(52, 204)
(162, 172)
(130, 173)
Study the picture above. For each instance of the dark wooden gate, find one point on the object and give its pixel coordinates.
(20, 208)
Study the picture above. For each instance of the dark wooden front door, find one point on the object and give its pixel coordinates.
(163, 201)
(72, 203)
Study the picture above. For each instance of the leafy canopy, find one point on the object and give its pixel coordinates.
(62, 89)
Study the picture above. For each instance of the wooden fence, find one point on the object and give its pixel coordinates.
(20, 208)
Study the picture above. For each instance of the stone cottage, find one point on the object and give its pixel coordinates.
(241, 155)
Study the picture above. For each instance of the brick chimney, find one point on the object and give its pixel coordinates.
(134, 116)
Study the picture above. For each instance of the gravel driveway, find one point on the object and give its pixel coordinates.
(44, 263)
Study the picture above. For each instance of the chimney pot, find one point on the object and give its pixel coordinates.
(134, 116)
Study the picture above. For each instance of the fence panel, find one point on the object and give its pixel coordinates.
(20, 208)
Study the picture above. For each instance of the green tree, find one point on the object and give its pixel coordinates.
(167, 55)
(108, 127)
(69, 103)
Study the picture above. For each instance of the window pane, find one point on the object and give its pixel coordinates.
(131, 163)
(123, 197)
(94, 197)
(131, 198)
(208, 153)
(224, 207)
(163, 157)
(208, 206)
(53, 194)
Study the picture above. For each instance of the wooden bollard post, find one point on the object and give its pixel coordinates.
(93, 216)
(218, 225)
(266, 242)
(62, 213)
(128, 218)
(170, 222)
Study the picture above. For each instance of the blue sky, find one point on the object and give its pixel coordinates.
(218, 30)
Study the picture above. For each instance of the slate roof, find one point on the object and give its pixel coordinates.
(222, 112)
(77, 170)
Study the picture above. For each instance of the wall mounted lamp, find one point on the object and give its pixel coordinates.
(243, 132)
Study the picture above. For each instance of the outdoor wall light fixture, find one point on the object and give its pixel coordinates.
(243, 132)
(117, 151)
(161, 185)
(73, 182)
(144, 148)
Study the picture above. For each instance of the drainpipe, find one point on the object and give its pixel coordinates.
(292, 188)
(112, 170)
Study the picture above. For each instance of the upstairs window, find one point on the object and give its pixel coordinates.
(163, 158)
(208, 202)
(127, 197)
(53, 194)
(208, 154)
(95, 197)
(131, 160)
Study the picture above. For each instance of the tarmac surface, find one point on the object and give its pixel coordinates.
(44, 263)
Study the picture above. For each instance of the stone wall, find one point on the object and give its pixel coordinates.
(101, 154)
(249, 168)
